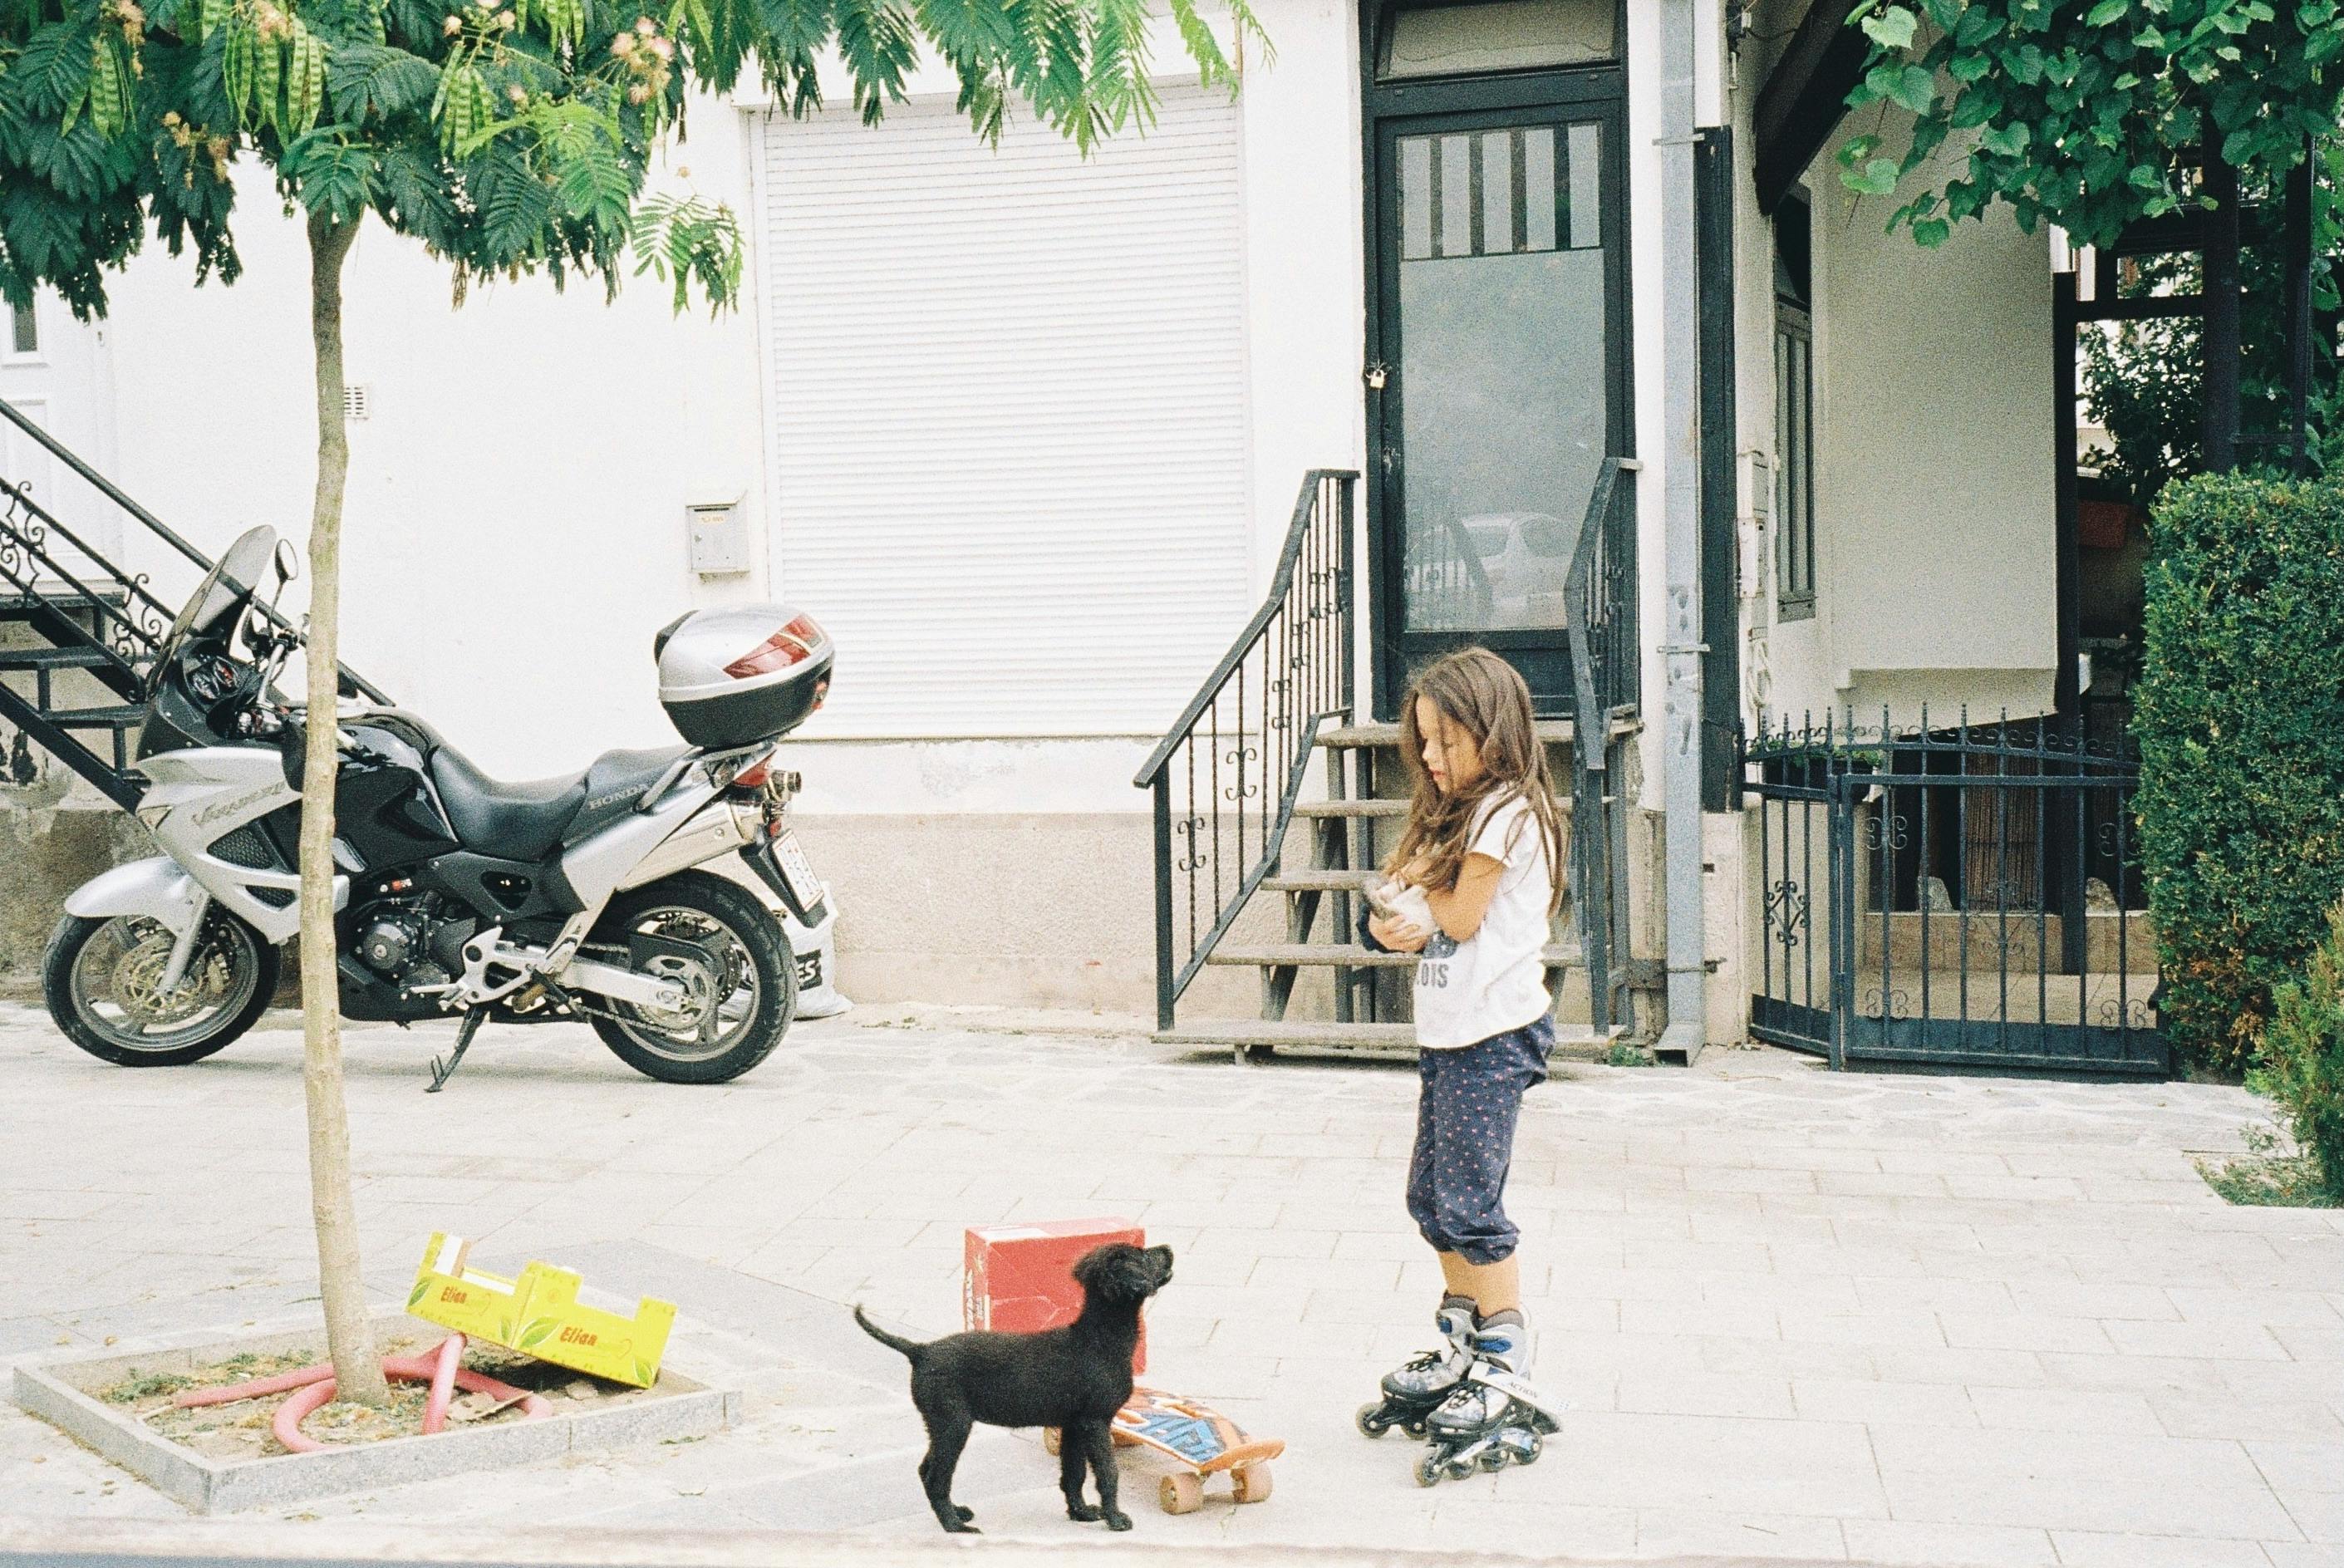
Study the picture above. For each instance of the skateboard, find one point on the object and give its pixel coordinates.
(1200, 1438)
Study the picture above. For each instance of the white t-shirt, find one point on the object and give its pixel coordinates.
(1496, 981)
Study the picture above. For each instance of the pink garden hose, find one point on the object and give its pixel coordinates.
(313, 1387)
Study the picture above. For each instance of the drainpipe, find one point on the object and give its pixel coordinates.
(1681, 646)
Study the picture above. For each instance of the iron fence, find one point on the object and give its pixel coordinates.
(1976, 892)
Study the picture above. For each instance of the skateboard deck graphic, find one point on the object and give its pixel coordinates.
(1197, 1436)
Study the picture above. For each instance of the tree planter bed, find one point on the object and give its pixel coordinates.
(227, 1463)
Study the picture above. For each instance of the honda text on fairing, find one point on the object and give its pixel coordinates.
(581, 897)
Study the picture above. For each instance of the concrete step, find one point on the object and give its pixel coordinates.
(1351, 955)
(1573, 1042)
(124, 717)
(1364, 1039)
(1351, 808)
(54, 657)
(1319, 879)
(1353, 737)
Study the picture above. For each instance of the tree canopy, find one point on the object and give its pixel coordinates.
(2091, 114)
(509, 136)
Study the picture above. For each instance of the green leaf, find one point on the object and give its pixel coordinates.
(1915, 90)
(1932, 232)
(1877, 177)
(1978, 24)
(2008, 140)
(537, 1331)
(375, 82)
(415, 1297)
(1891, 28)
(2105, 12)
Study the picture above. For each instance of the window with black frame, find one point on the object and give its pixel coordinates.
(1422, 38)
(1795, 410)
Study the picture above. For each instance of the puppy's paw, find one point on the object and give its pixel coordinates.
(1083, 1514)
(966, 1514)
(1119, 1521)
(963, 1528)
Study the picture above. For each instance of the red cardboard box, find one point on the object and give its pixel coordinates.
(1017, 1278)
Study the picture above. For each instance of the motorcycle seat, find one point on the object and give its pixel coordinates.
(508, 820)
(615, 784)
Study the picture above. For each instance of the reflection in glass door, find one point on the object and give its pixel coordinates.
(1498, 335)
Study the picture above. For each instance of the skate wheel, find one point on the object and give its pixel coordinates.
(1250, 1482)
(1050, 1441)
(1415, 1429)
(1429, 1469)
(1181, 1493)
(1530, 1451)
(1372, 1421)
(1494, 1458)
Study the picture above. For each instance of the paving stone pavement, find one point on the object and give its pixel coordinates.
(1884, 1318)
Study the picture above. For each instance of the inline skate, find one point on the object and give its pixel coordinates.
(1494, 1416)
(1415, 1389)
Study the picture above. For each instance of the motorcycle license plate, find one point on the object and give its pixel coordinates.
(797, 871)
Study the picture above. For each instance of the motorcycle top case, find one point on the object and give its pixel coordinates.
(742, 673)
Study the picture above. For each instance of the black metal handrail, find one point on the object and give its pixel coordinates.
(138, 624)
(1600, 596)
(1294, 657)
(126, 620)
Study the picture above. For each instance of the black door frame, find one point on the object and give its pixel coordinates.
(1427, 106)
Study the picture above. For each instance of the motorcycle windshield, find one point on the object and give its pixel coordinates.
(223, 589)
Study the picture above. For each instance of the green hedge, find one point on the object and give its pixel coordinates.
(2303, 1056)
(2239, 713)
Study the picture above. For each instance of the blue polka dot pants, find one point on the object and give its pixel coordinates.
(1465, 1140)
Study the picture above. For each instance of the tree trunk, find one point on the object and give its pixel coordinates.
(349, 1337)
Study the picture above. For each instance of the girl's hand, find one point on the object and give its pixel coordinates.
(1400, 936)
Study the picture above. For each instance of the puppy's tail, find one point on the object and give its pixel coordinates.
(909, 1349)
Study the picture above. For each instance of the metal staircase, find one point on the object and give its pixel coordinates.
(1255, 872)
(78, 630)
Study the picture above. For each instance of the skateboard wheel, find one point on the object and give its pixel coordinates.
(1429, 1469)
(1250, 1482)
(1050, 1441)
(1181, 1493)
(1372, 1421)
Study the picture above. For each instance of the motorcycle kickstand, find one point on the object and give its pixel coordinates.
(442, 1071)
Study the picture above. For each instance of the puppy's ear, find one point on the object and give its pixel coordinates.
(1086, 1267)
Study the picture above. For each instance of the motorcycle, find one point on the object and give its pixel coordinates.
(582, 897)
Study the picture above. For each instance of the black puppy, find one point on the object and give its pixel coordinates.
(1074, 1379)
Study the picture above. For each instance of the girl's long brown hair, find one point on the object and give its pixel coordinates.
(1483, 696)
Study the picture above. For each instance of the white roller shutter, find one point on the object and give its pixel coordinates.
(1009, 453)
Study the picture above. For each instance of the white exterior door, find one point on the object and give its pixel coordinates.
(1008, 415)
(52, 371)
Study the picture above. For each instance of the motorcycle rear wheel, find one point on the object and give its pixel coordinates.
(98, 978)
(749, 980)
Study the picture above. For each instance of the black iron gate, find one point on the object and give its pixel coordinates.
(1964, 898)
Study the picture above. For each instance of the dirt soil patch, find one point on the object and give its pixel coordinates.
(241, 1430)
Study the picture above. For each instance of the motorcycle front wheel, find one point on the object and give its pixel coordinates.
(730, 958)
(103, 982)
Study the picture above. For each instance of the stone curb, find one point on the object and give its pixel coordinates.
(67, 1544)
(56, 1392)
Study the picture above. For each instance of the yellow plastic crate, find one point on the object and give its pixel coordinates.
(539, 1315)
(447, 1292)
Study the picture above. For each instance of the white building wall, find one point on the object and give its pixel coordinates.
(514, 531)
(1935, 490)
(515, 527)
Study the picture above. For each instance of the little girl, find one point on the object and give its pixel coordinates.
(1481, 856)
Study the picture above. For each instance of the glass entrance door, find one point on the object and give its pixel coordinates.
(1501, 347)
